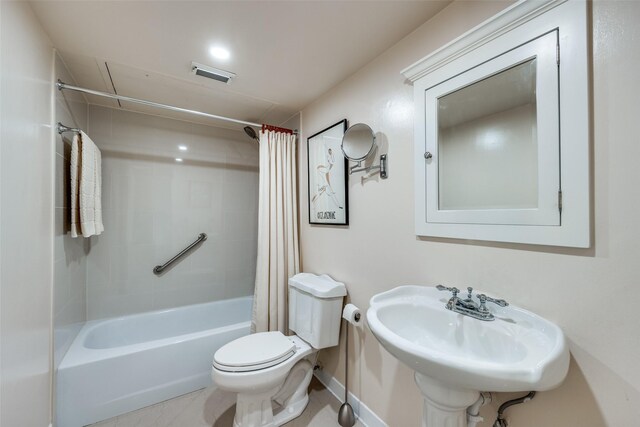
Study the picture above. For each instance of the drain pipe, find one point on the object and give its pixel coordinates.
(500, 421)
(473, 411)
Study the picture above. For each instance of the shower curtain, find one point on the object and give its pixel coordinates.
(278, 252)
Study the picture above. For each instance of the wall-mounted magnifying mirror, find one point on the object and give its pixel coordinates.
(358, 143)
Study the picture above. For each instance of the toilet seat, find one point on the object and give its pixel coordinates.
(254, 352)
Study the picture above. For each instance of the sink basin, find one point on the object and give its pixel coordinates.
(519, 351)
(456, 356)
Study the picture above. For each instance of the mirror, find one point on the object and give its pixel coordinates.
(488, 143)
(358, 143)
(495, 141)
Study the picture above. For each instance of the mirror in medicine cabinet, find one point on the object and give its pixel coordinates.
(488, 144)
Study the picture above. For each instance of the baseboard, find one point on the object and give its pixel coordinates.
(364, 414)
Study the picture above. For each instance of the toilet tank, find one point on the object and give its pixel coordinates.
(315, 308)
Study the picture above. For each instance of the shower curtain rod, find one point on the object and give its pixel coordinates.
(61, 85)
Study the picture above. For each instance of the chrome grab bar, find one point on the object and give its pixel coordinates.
(158, 269)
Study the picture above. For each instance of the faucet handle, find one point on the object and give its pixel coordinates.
(453, 289)
(483, 304)
(483, 298)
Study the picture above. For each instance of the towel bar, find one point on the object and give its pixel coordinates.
(62, 129)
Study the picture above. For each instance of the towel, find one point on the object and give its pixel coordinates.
(86, 187)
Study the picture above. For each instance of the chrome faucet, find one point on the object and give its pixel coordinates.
(468, 306)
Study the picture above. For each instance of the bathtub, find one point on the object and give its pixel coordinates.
(118, 365)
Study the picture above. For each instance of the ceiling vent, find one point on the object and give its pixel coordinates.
(211, 73)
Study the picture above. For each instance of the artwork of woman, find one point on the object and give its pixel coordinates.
(324, 180)
(328, 192)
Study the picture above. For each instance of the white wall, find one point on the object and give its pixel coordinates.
(590, 293)
(292, 123)
(153, 207)
(26, 217)
(70, 255)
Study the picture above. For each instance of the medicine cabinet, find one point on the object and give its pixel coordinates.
(502, 130)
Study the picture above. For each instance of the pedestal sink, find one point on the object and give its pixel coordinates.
(455, 357)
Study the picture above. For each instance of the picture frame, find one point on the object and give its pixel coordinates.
(328, 176)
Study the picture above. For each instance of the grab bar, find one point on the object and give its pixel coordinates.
(158, 269)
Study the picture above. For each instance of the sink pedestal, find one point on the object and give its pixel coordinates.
(444, 406)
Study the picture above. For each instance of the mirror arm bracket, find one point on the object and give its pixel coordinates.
(382, 167)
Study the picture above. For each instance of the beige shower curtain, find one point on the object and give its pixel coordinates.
(278, 252)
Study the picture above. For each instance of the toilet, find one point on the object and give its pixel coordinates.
(271, 372)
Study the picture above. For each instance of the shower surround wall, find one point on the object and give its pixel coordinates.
(26, 216)
(70, 255)
(154, 206)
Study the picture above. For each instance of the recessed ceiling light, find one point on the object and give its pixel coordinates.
(178, 159)
(182, 147)
(219, 52)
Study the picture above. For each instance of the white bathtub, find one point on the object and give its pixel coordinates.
(119, 365)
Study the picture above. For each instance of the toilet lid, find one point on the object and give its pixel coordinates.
(252, 352)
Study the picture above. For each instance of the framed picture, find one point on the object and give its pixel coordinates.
(328, 175)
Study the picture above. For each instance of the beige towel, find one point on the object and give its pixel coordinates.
(86, 187)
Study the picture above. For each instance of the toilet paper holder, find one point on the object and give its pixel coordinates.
(352, 315)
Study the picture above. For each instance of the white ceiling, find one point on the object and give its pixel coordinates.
(285, 53)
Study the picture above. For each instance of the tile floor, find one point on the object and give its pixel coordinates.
(214, 408)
